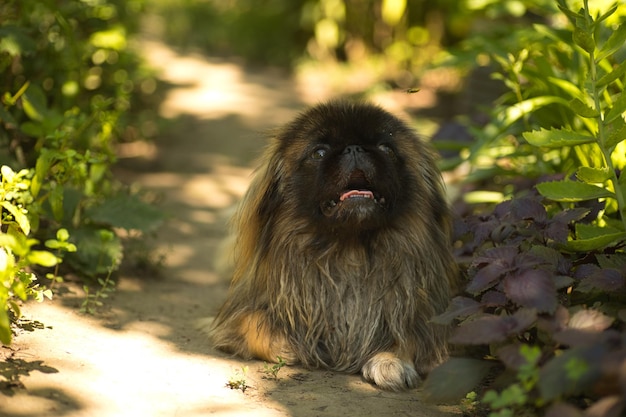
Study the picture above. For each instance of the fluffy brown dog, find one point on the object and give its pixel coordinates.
(342, 253)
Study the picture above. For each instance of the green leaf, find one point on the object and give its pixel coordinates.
(34, 103)
(556, 378)
(5, 327)
(55, 199)
(567, 86)
(572, 191)
(17, 311)
(619, 107)
(511, 396)
(582, 109)
(593, 175)
(594, 243)
(14, 40)
(584, 39)
(43, 258)
(571, 15)
(21, 244)
(615, 133)
(19, 217)
(616, 73)
(7, 117)
(96, 254)
(590, 231)
(63, 235)
(32, 129)
(556, 138)
(606, 15)
(516, 111)
(615, 42)
(7, 241)
(127, 212)
(41, 171)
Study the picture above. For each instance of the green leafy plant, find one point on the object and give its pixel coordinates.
(514, 399)
(18, 250)
(60, 245)
(271, 371)
(600, 141)
(541, 320)
(549, 78)
(93, 301)
(67, 90)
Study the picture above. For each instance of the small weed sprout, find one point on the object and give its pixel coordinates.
(238, 380)
(94, 300)
(61, 244)
(272, 371)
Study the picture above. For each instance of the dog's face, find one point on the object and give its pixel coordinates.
(347, 168)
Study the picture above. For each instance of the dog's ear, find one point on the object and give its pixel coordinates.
(260, 205)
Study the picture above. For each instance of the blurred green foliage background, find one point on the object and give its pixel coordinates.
(528, 89)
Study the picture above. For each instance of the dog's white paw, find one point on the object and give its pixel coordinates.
(389, 372)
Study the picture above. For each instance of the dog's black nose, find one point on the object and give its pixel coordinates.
(353, 149)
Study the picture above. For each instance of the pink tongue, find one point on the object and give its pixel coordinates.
(357, 194)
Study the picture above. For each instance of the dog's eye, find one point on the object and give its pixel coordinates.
(319, 153)
(386, 149)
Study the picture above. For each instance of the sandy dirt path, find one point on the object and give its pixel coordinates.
(143, 355)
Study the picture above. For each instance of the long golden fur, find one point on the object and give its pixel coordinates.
(342, 253)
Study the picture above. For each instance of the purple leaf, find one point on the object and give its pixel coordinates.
(484, 330)
(486, 277)
(585, 270)
(529, 209)
(570, 215)
(577, 337)
(495, 263)
(532, 288)
(556, 231)
(502, 254)
(493, 299)
(572, 372)
(553, 258)
(459, 307)
(555, 323)
(453, 379)
(502, 209)
(603, 279)
(483, 230)
(510, 356)
(490, 329)
(563, 281)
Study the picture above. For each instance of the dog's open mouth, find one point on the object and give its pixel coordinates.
(351, 197)
(357, 192)
(367, 194)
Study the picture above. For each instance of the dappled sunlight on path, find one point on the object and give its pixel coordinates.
(214, 88)
(125, 372)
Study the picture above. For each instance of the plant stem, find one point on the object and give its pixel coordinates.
(601, 135)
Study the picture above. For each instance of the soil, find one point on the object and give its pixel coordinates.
(142, 353)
